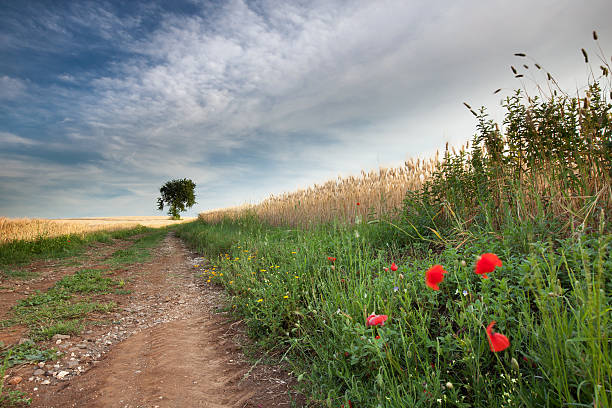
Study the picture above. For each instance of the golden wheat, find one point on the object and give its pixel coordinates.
(348, 199)
(32, 228)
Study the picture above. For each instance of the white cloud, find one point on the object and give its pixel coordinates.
(12, 139)
(301, 91)
(11, 88)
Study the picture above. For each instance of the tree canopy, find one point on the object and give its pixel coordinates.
(178, 195)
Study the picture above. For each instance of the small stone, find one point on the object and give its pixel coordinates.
(15, 380)
(60, 337)
(82, 345)
(46, 382)
(72, 364)
(41, 364)
(58, 341)
(62, 374)
(38, 371)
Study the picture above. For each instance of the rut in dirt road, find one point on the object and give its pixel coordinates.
(184, 355)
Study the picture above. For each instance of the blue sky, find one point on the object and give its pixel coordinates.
(101, 102)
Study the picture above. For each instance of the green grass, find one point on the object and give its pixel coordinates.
(139, 252)
(87, 281)
(26, 352)
(551, 303)
(535, 191)
(23, 252)
(19, 274)
(54, 311)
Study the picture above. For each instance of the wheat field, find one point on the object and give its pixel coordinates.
(32, 228)
(348, 199)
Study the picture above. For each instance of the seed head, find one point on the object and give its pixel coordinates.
(586, 57)
(520, 54)
(595, 35)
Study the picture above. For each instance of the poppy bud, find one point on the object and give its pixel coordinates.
(449, 385)
(514, 364)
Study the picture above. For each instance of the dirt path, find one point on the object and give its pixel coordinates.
(168, 346)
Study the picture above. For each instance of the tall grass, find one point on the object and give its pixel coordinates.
(534, 190)
(347, 198)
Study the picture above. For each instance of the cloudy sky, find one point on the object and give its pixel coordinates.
(101, 102)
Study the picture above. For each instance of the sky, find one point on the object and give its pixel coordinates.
(102, 102)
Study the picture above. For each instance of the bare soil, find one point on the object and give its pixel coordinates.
(168, 344)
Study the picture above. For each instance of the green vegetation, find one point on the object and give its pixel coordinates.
(23, 251)
(178, 195)
(19, 273)
(86, 281)
(25, 353)
(11, 356)
(140, 251)
(55, 311)
(536, 192)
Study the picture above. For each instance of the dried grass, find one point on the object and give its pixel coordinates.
(346, 199)
(32, 228)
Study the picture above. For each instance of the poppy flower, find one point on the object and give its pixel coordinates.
(486, 263)
(393, 267)
(376, 320)
(434, 276)
(357, 203)
(331, 258)
(386, 269)
(497, 341)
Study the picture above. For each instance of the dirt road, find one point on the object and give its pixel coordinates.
(168, 345)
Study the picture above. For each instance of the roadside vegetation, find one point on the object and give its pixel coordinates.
(489, 286)
(23, 251)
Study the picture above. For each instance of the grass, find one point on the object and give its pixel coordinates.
(536, 191)
(21, 274)
(26, 352)
(51, 312)
(139, 252)
(23, 251)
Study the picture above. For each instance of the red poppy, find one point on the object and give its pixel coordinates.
(486, 263)
(377, 337)
(375, 320)
(434, 276)
(497, 341)
(331, 258)
(393, 267)
(386, 269)
(357, 203)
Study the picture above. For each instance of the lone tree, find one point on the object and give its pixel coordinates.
(177, 195)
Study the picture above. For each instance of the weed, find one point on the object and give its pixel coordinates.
(139, 252)
(26, 352)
